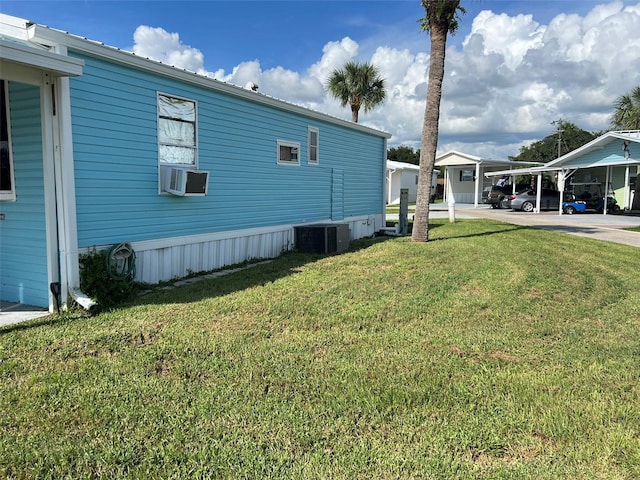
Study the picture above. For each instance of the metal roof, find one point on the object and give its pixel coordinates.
(585, 157)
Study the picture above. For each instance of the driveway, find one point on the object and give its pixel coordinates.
(608, 228)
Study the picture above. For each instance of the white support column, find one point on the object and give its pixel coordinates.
(561, 188)
(451, 201)
(477, 186)
(606, 190)
(68, 231)
(538, 193)
(48, 149)
(627, 188)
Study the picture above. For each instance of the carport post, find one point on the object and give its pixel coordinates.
(477, 186)
(561, 188)
(606, 190)
(538, 193)
(451, 201)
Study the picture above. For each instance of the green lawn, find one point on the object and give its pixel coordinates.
(492, 352)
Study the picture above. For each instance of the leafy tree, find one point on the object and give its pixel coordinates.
(359, 85)
(546, 150)
(441, 19)
(626, 115)
(404, 154)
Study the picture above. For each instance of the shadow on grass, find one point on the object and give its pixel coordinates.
(240, 277)
(510, 228)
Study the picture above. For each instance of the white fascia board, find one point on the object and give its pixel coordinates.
(57, 65)
(402, 165)
(522, 171)
(47, 36)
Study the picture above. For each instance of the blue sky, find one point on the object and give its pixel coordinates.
(512, 68)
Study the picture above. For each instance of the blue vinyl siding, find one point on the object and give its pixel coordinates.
(23, 253)
(116, 165)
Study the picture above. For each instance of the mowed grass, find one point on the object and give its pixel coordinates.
(492, 352)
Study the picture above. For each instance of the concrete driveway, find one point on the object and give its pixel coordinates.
(12, 313)
(608, 228)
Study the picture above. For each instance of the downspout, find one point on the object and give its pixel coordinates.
(66, 198)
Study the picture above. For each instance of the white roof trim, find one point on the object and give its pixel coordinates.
(402, 165)
(49, 36)
(600, 142)
(446, 161)
(631, 135)
(56, 64)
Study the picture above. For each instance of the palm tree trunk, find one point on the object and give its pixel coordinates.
(355, 109)
(429, 142)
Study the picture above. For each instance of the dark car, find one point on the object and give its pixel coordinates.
(526, 200)
(498, 194)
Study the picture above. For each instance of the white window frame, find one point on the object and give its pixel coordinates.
(8, 195)
(193, 147)
(310, 146)
(287, 144)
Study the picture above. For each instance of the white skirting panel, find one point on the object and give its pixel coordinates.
(156, 263)
(366, 226)
(170, 258)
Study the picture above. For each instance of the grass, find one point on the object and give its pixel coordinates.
(633, 229)
(493, 351)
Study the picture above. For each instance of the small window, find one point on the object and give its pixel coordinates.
(177, 131)
(7, 184)
(313, 146)
(288, 153)
(467, 176)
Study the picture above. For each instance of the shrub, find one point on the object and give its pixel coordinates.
(100, 283)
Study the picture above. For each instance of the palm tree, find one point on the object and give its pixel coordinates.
(441, 19)
(627, 111)
(626, 116)
(359, 85)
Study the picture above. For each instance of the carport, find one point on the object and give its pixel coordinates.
(612, 158)
(464, 175)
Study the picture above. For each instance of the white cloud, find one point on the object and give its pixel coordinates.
(507, 81)
(160, 45)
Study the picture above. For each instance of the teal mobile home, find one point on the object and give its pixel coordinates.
(102, 147)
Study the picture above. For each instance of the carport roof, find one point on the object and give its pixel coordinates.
(585, 156)
(454, 158)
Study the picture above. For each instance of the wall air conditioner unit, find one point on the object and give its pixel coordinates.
(187, 183)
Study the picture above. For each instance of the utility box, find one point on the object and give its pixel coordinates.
(322, 238)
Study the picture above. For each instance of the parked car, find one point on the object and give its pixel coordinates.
(497, 195)
(526, 200)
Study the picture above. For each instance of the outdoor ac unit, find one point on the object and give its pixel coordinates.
(322, 238)
(186, 183)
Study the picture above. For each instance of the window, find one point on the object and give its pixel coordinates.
(313, 146)
(177, 131)
(7, 190)
(288, 153)
(467, 175)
